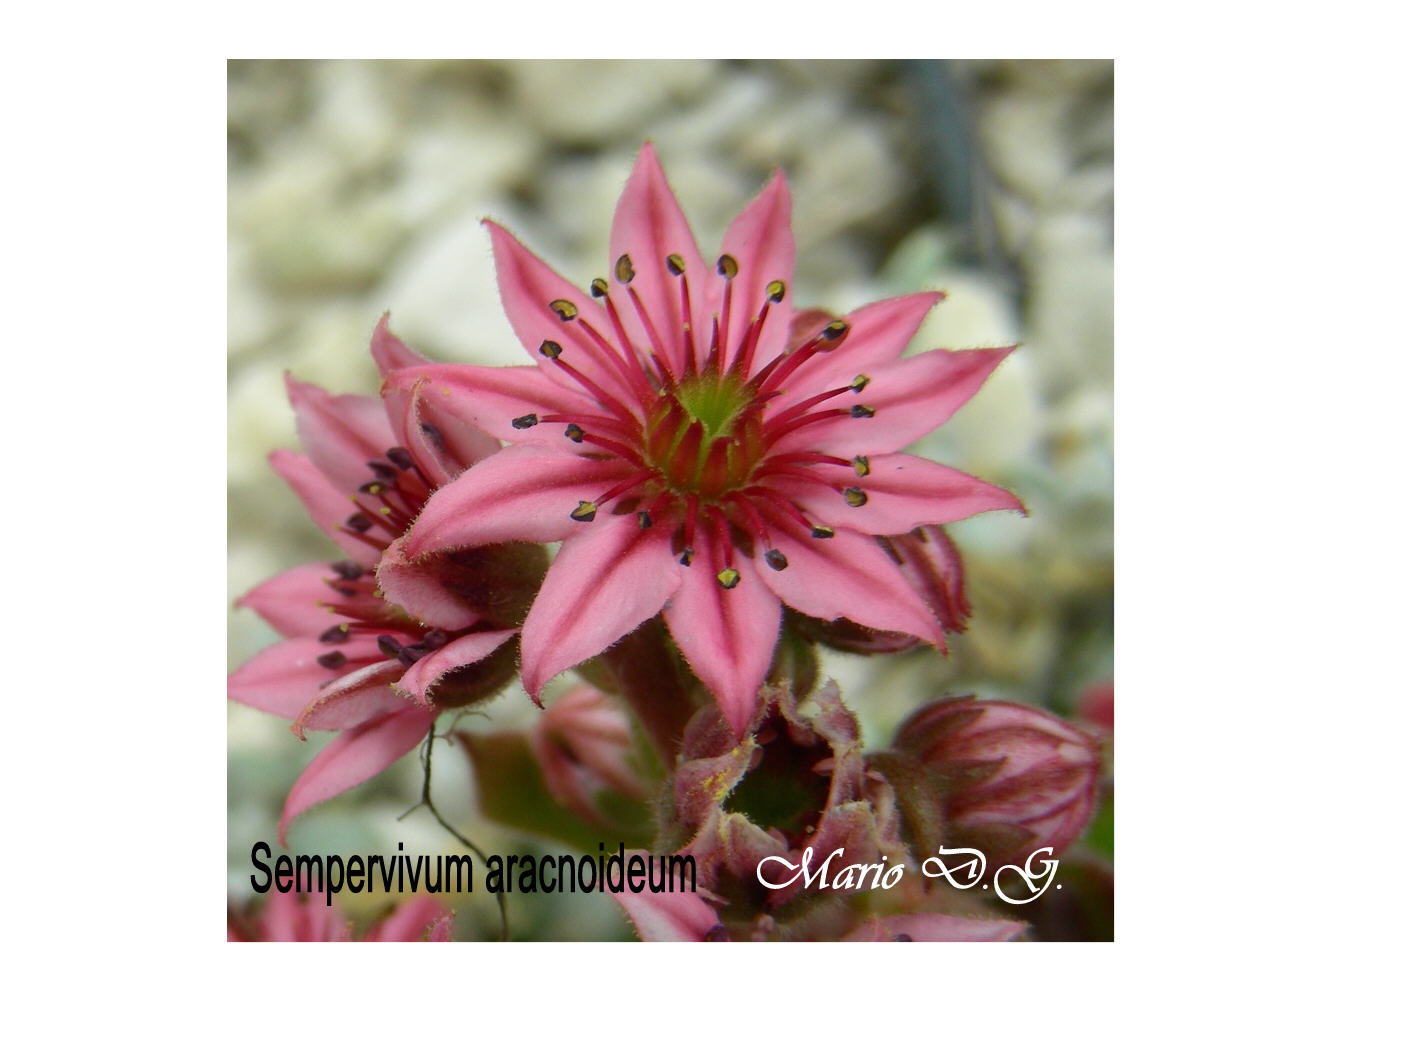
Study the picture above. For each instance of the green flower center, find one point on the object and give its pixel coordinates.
(714, 402)
(704, 437)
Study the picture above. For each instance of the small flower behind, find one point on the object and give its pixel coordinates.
(701, 447)
(290, 917)
(353, 661)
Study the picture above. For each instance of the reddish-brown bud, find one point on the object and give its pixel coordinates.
(1012, 778)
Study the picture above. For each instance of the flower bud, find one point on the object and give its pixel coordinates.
(583, 746)
(1012, 778)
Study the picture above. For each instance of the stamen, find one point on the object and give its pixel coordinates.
(348, 569)
(584, 512)
(776, 560)
(388, 645)
(855, 497)
(657, 345)
(776, 290)
(333, 660)
(574, 432)
(624, 272)
(628, 350)
(859, 383)
(624, 486)
(599, 288)
(551, 349)
(862, 465)
(728, 578)
(616, 361)
(675, 263)
(728, 268)
(820, 531)
(359, 522)
(831, 335)
(336, 633)
(382, 470)
(433, 434)
(686, 314)
(566, 310)
(691, 519)
(643, 519)
(860, 410)
(525, 421)
(400, 457)
(687, 556)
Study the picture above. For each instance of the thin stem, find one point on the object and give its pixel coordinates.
(428, 803)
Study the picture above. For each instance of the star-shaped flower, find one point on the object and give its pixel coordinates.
(701, 447)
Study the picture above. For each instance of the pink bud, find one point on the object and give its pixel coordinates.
(1013, 778)
(583, 746)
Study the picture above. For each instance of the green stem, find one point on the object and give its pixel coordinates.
(653, 685)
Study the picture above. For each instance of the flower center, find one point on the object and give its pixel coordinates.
(713, 401)
(703, 436)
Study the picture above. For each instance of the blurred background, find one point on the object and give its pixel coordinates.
(358, 187)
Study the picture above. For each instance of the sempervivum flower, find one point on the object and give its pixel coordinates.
(1012, 778)
(352, 660)
(701, 447)
(289, 917)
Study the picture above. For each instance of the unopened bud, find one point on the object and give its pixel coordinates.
(1012, 778)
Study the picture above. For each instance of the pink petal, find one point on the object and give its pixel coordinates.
(353, 757)
(604, 582)
(728, 636)
(353, 699)
(911, 399)
(901, 492)
(417, 919)
(419, 589)
(328, 507)
(420, 678)
(527, 286)
(389, 351)
(878, 336)
(341, 434)
(290, 602)
(935, 927)
(442, 443)
(524, 493)
(291, 917)
(760, 240)
(847, 576)
(668, 916)
(490, 398)
(283, 678)
(442, 930)
(649, 226)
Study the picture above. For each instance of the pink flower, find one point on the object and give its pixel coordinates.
(289, 917)
(701, 447)
(1014, 778)
(352, 661)
(583, 746)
